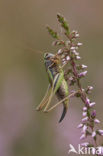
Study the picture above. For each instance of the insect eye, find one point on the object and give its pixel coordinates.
(48, 55)
(45, 55)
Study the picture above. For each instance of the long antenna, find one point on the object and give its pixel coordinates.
(35, 51)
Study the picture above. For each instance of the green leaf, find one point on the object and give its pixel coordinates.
(64, 23)
(52, 33)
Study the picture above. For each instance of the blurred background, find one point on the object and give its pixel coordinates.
(23, 79)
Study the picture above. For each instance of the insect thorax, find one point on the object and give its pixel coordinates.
(52, 67)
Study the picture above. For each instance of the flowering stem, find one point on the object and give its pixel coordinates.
(69, 56)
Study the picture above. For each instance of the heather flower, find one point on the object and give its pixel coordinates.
(80, 126)
(92, 104)
(77, 35)
(87, 101)
(72, 48)
(97, 121)
(83, 136)
(79, 44)
(78, 57)
(85, 144)
(84, 129)
(100, 132)
(67, 58)
(93, 134)
(84, 113)
(89, 89)
(75, 52)
(60, 51)
(85, 119)
(83, 66)
(82, 74)
(84, 108)
(93, 114)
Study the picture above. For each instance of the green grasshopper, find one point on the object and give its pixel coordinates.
(57, 85)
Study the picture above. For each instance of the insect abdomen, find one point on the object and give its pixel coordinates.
(61, 94)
